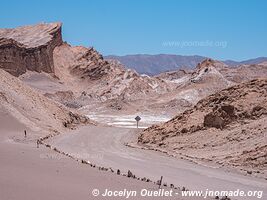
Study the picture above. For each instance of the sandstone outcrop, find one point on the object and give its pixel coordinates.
(220, 116)
(228, 128)
(29, 48)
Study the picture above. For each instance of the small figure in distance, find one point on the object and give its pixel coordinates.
(118, 172)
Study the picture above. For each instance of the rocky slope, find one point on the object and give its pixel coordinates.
(227, 128)
(243, 73)
(107, 82)
(33, 109)
(99, 85)
(109, 85)
(29, 48)
(210, 76)
(212, 69)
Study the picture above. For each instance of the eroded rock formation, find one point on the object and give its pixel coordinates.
(29, 48)
(227, 127)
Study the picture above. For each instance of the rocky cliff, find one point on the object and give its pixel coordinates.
(29, 48)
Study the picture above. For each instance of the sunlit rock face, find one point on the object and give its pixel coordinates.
(29, 48)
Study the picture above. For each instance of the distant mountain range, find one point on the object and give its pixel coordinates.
(246, 62)
(155, 64)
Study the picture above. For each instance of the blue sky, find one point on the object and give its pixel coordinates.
(221, 29)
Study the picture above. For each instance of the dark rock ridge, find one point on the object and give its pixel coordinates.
(29, 48)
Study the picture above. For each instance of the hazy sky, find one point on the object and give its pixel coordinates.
(221, 29)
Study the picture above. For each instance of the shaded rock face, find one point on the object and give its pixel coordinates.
(220, 117)
(29, 48)
(75, 119)
(91, 64)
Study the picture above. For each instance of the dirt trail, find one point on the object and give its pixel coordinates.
(30, 173)
(104, 146)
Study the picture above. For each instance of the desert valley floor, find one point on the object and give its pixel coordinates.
(201, 128)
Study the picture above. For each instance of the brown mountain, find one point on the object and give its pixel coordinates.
(226, 128)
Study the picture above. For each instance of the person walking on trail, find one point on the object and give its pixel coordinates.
(38, 142)
(25, 133)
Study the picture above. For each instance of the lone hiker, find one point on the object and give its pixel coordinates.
(118, 172)
(25, 133)
(38, 142)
